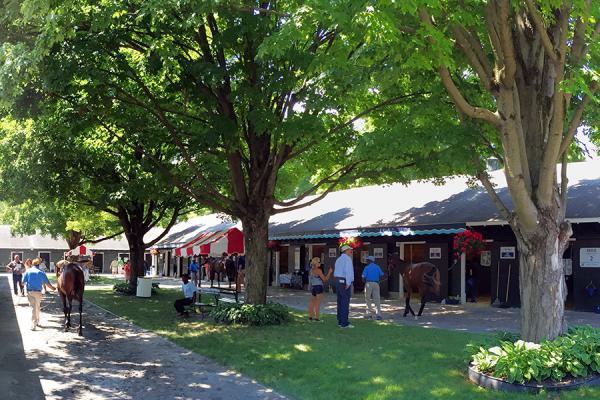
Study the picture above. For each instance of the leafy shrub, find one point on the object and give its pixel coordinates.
(126, 289)
(251, 314)
(576, 354)
(486, 342)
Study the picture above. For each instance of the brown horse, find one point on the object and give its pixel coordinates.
(216, 268)
(70, 282)
(422, 277)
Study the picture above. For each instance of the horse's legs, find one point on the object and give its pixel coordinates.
(423, 301)
(407, 306)
(63, 298)
(79, 332)
(70, 300)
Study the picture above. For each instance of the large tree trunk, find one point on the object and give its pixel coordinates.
(136, 256)
(542, 283)
(132, 221)
(256, 233)
(73, 239)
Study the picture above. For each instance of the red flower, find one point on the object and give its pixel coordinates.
(350, 241)
(468, 242)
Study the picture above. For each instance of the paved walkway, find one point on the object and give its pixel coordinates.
(470, 317)
(113, 360)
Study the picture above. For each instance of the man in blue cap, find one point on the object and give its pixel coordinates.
(371, 275)
(34, 279)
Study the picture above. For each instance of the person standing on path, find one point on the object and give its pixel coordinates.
(17, 268)
(344, 277)
(371, 275)
(189, 294)
(34, 279)
(114, 266)
(194, 267)
(317, 279)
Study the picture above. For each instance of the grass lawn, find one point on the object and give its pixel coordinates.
(307, 360)
(94, 279)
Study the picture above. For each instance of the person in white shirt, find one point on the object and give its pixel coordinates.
(189, 295)
(344, 277)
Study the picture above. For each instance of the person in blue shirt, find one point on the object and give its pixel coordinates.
(194, 268)
(34, 279)
(343, 275)
(371, 275)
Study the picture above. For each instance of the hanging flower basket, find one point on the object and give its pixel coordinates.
(353, 242)
(154, 252)
(272, 244)
(469, 242)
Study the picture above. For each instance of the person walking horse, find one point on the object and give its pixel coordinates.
(34, 279)
(344, 277)
(371, 275)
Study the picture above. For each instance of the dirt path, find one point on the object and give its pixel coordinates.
(117, 360)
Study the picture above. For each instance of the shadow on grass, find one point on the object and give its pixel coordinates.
(307, 360)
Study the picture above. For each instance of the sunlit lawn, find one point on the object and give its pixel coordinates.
(307, 360)
(94, 279)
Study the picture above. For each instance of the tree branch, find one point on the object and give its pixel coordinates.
(564, 185)
(484, 178)
(102, 239)
(167, 228)
(393, 100)
(328, 179)
(475, 55)
(576, 120)
(541, 29)
(463, 105)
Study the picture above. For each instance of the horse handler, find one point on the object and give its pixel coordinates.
(34, 279)
(371, 275)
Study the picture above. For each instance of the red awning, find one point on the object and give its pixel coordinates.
(80, 251)
(228, 240)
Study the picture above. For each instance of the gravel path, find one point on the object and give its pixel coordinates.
(117, 360)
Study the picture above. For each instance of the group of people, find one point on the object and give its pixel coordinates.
(343, 276)
(234, 269)
(19, 268)
(234, 265)
(32, 279)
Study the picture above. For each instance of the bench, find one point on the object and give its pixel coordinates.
(203, 296)
(228, 295)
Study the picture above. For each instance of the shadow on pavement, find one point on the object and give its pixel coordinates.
(18, 378)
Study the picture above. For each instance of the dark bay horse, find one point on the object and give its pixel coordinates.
(70, 282)
(216, 269)
(423, 277)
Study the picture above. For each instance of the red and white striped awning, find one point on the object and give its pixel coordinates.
(228, 240)
(80, 251)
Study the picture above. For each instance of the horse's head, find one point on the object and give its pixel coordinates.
(397, 264)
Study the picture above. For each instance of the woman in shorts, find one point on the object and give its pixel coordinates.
(316, 280)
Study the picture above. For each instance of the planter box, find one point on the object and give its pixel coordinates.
(490, 382)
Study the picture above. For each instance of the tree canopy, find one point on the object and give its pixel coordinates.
(524, 72)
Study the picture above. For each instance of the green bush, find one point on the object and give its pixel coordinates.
(576, 354)
(251, 314)
(126, 289)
